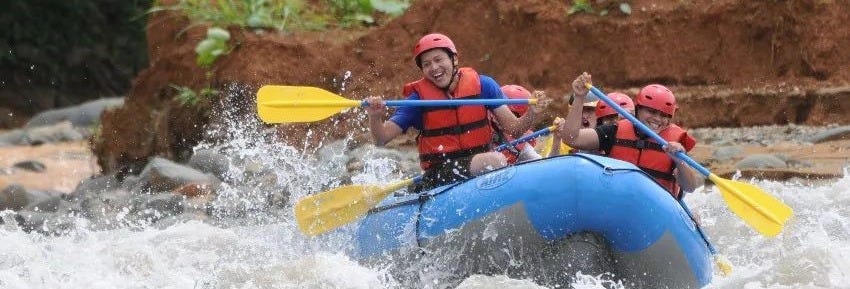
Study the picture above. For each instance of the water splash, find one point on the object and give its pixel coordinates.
(809, 253)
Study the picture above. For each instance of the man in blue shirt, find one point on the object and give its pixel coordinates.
(454, 142)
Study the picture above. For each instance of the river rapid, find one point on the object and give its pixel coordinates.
(265, 249)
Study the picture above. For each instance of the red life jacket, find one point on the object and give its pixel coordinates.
(648, 154)
(451, 132)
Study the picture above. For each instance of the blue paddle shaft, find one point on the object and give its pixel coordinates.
(699, 230)
(643, 128)
(451, 102)
(523, 139)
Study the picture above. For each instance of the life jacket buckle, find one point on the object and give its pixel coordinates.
(640, 144)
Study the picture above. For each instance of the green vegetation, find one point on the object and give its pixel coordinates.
(285, 15)
(212, 47)
(580, 6)
(584, 6)
(275, 14)
(349, 12)
(188, 97)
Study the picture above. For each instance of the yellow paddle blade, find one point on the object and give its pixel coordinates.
(329, 210)
(279, 103)
(723, 264)
(760, 210)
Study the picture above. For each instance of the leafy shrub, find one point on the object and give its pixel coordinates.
(212, 47)
(580, 6)
(188, 97)
(349, 12)
(584, 6)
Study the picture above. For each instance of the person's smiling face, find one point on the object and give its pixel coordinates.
(653, 118)
(437, 67)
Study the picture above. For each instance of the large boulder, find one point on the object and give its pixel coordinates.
(84, 115)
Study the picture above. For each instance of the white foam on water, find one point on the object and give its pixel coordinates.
(811, 252)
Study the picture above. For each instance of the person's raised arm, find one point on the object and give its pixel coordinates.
(556, 138)
(571, 131)
(382, 131)
(517, 126)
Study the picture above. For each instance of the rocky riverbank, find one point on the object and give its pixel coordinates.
(775, 152)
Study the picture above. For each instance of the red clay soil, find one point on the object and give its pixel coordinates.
(731, 63)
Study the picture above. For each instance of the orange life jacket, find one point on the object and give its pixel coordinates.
(451, 132)
(648, 154)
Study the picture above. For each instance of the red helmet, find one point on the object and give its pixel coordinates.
(431, 41)
(517, 92)
(658, 97)
(603, 109)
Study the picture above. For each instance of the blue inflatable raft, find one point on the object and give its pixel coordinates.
(544, 220)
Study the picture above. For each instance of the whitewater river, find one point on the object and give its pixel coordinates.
(265, 249)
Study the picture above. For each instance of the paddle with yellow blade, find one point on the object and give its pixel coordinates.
(329, 210)
(761, 211)
(722, 263)
(281, 104)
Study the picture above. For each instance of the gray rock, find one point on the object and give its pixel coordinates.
(164, 175)
(210, 161)
(34, 166)
(761, 161)
(61, 131)
(43, 201)
(83, 115)
(11, 138)
(838, 133)
(726, 153)
(161, 205)
(104, 208)
(13, 197)
(58, 132)
(95, 185)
